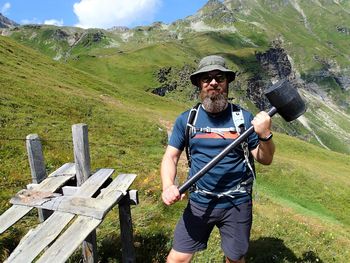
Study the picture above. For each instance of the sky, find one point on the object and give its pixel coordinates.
(98, 13)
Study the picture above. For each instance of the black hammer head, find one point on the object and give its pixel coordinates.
(286, 100)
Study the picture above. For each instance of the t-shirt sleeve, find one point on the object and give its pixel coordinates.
(177, 137)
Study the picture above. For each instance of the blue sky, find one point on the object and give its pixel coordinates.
(98, 13)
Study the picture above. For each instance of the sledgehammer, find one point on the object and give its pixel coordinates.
(284, 99)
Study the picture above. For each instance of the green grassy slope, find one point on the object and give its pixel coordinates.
(301, 212)
(46, 97)
(41, 96)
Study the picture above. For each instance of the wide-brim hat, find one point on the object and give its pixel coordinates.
(211, 63)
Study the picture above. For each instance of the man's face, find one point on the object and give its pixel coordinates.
(214, 89)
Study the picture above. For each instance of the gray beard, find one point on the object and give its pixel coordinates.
(215, 103)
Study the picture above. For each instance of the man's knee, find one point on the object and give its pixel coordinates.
(178, 257)
(242, 260)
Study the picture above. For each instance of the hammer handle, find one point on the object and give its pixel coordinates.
(183, 188)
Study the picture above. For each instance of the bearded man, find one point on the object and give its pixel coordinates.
(222, 197)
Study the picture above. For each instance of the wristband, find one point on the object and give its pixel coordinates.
(267, 138)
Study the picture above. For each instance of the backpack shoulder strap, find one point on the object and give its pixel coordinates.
(191, 116)
(238, 119)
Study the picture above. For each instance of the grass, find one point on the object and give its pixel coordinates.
(50, 97)
(315, 184)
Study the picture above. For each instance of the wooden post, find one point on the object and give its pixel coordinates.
(37, 167)
(82, 166)
(81, 152)
(126, 230)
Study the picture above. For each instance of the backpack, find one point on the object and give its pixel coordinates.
(238, 121)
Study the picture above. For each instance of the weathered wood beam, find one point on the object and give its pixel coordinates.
(45, 233)
(80, 205)
(54, 181)
(82, 163)
(66, 244)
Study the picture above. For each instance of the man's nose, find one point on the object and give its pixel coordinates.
(213, 82)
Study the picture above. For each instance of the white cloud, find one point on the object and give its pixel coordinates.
(35, 21)
(54, 22)
(5, 8)
(109, 13)
(30, 21)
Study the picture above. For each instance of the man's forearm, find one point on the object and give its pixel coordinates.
(170, 193)
(168, 172)
(265, 152)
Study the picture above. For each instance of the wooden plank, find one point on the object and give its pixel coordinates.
(69, 190)
(40, 237)
(109, 197)
(93, 207)
(94, 182)
(67, 168)
(12, 215)
(121, 183)
(57, 179)
(70, 240)
(50, 200)
(81, 205)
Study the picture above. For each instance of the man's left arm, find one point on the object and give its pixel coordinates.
(264, 152)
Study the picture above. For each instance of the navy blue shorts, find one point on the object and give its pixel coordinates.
(193, 229)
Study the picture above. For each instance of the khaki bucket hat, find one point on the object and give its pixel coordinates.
(210, 63)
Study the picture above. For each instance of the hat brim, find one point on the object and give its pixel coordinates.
(229, 73)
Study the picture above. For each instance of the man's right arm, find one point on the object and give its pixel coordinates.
(168, 170)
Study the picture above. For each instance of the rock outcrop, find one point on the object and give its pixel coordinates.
(175, 79)
(276, 65)
(7, 23)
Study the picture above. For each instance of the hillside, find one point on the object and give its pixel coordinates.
(41, 96)
(263, 40)
(46, 97)
(53, 77)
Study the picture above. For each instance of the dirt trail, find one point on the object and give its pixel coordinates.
(182, 169)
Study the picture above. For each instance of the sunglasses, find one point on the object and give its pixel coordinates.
(206, 78)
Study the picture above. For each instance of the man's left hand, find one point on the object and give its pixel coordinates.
(262, 124)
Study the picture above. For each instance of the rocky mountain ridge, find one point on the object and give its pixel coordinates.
(264, 40)
(6, 23)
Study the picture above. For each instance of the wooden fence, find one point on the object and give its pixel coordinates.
(69, 215)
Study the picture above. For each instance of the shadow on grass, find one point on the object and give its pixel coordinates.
(153, 248)
(273, 250)
(9, 241)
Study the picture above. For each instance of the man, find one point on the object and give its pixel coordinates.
(222, 197)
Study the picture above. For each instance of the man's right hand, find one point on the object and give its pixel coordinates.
(171, 195)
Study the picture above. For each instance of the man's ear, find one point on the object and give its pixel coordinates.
(198, 81)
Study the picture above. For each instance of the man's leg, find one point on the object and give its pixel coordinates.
(235, 232)
(178, 257)
(191, 234)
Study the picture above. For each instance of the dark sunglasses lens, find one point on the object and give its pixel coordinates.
(206, 78)
(218, 78)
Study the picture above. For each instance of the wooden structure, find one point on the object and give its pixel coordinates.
(69, 215)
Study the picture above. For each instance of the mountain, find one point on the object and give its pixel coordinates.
(129, 84)
(6, 23)
(304, 41)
